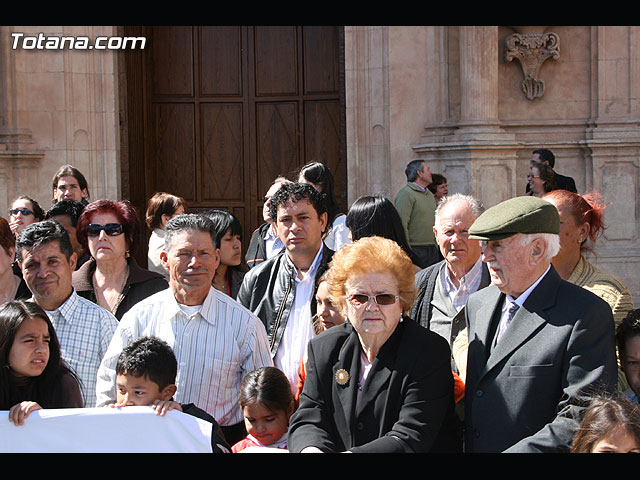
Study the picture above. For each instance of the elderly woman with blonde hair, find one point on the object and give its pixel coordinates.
(379, 382)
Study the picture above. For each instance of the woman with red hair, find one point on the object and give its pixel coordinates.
(112, 278)
(580, 226)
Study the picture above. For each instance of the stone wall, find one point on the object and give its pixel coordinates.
(56, 107)
(474, 101)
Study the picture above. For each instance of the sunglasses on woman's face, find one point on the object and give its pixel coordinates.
(360, 299)
(23, 211)
(111, 229)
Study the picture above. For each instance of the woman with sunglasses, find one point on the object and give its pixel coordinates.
(108, 230)
(379, 382)
(24, 211)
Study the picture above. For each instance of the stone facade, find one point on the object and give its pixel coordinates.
(473, 101)
(57, 107)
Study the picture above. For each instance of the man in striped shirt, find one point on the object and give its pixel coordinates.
(217, 341)
(84, 329)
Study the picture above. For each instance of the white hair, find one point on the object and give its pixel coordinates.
(551, 240)
(474, 205)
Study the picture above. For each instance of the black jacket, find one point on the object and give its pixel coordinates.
(268, 290)
(406, 403)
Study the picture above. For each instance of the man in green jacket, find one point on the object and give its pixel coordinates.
(416, 206)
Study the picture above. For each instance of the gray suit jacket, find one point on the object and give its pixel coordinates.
(527, 394)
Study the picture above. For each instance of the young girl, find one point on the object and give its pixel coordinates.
(611, 424)
(33, 374)
(230, 272)
(267, 404)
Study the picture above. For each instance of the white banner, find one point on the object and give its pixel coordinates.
(105, 430)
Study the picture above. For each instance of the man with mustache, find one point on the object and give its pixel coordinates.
(46, 257)
(216, 340)
(281, 291)
(537, 344)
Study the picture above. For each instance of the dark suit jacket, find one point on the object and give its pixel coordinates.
(406, 404)
(528, 393)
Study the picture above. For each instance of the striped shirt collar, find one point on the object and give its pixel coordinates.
(207, 312)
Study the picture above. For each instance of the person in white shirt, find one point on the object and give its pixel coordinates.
(216, 340)
(281, 291)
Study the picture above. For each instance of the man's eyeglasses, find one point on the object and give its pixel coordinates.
(111, 229)
(359, 299)
(23, 211)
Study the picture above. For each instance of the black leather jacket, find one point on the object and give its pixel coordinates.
(268, 290)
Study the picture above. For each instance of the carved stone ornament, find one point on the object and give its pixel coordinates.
(532, 49)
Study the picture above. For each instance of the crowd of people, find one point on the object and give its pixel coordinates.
(425, 323)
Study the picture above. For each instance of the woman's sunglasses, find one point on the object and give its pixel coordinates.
(23, 211)
(111, 229)
(358, 299)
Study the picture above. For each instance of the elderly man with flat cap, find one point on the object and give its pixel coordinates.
(538, 345)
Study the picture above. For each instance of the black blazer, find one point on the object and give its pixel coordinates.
(406, 403)
(527, 394)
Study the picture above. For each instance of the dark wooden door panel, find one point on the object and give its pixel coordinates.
(222, 153)
(215, 113)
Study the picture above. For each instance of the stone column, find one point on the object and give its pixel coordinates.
(367, 110)
(478, 79)
(613, 140)
(478, 157)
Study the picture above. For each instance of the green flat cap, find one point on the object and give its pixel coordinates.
(517, 215)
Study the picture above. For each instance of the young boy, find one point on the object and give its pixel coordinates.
(628, 340)
(145, 375)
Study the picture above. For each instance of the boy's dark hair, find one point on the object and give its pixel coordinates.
(41, 233)
(149, 357)
(628, 328)
(294, 192)
(66, 207)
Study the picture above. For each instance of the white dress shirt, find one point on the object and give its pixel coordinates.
(509, 300)
(216, 346)
(299, 328)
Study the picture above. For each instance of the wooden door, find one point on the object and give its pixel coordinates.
(215, 113)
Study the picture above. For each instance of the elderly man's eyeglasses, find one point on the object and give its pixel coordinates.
(359, 299)
(23, 211)
(111, 229)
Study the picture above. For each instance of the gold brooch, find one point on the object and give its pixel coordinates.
(342, 377)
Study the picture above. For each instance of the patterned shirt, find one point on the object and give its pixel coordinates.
(216, 346)
(468, 284)
(84, 330)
